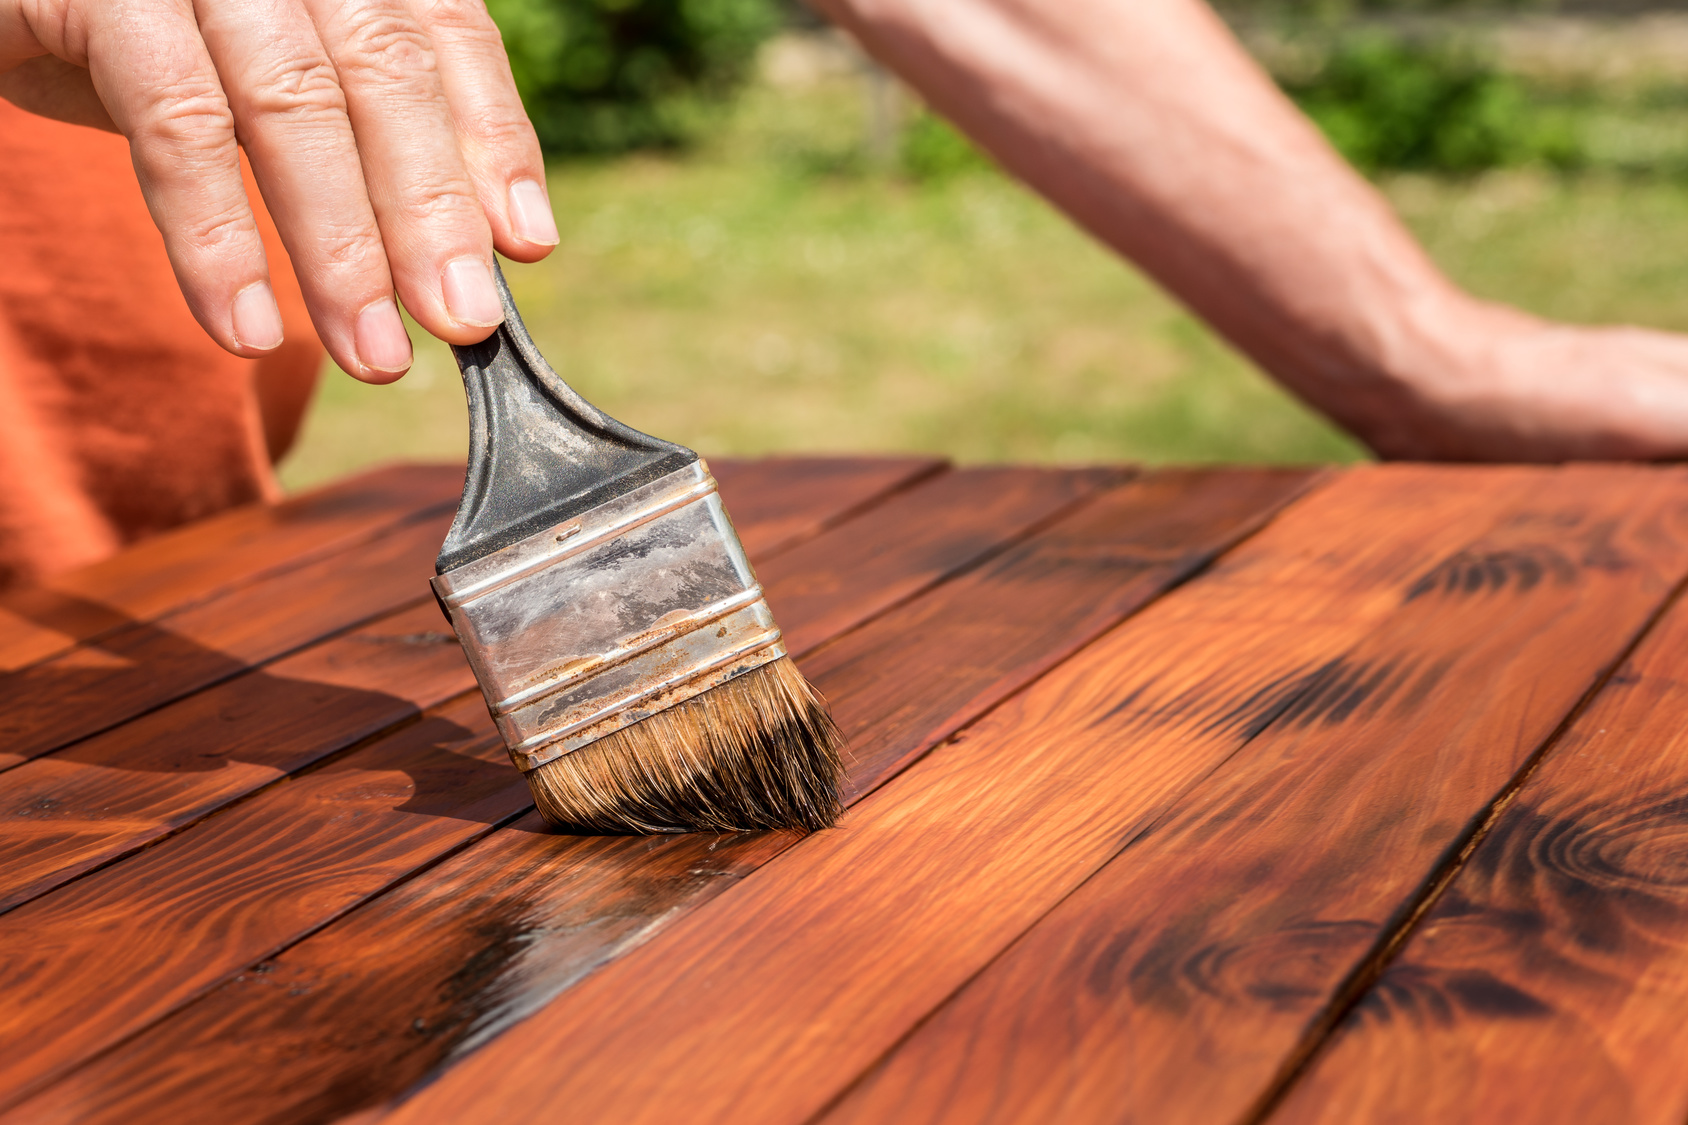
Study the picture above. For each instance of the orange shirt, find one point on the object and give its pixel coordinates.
(119, 417)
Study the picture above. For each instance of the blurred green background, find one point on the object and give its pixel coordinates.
(768, 246)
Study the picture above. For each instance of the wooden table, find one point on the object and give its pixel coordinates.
(1182, 796)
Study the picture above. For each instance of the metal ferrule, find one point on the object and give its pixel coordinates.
(611, 617)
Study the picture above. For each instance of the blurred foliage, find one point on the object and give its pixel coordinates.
(933, 149)
(607, 76)
(1389, 102)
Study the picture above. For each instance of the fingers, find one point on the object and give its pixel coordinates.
(493, 131)
(291, 116)
(155, 77)
(438, 240)
(386, 137)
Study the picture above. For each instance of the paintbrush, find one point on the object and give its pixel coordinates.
(613, 622)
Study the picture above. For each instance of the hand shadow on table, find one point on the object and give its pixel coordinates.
(138, 697)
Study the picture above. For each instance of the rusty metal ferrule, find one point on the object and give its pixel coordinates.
(611, 617)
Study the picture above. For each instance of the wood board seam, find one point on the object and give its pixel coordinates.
(219, 680)
(267, 574)
(1314, 481)
(10, 1100)
(1408, 918)
(1071, 507)
(884, 495)
(241, 799)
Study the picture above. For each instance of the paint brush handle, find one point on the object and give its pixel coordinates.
(538, 452)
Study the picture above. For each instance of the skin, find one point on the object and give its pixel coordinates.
(390, 146)
(385, 135)
(1148, 124)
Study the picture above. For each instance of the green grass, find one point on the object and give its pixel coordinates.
(769, 293)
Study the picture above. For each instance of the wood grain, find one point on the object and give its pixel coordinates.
(1176, 982)
(143, 665)
(105, 955)
(764, 1003)
(66, 813)
(423, 975)
(205, 559)
(795, 498)
(1549, 982)
(236, 887)
(945, 523)
(995, 629)
(63, 814)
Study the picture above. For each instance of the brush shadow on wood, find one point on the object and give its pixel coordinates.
(427, 973)
(246, 883)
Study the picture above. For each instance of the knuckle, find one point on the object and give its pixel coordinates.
(298, 86)
(387, 44)
(353, 248)
(225, 228)
(440, 204)
(501, 132)
(187, 115)
(458, 16)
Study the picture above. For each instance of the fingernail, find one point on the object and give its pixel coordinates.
(382, 343)
(257, 319)
(530, 214)
(470, 295)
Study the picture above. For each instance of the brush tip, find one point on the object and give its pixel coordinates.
(759, 751)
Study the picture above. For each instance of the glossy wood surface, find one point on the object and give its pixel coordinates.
(532, 912)
(1560, 949)
(320, 843)
(1219, 795)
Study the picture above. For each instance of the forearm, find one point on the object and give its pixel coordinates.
(1147, 123)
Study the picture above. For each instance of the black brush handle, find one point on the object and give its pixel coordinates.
(539, 454)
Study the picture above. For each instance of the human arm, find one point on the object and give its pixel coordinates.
(1148, 124)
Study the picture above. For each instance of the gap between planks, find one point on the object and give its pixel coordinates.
(179, 568)
(307, 708)
(1003, 500)
(1172, 982)
(1546, 982)
(1086, 571)
(943, 868)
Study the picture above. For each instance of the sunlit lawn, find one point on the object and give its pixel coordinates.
(767, 293)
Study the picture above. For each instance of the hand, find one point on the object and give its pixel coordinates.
(1488, 383)
(386, 136)
(1149, 125)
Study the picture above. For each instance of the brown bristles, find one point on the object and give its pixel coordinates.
(760, 751)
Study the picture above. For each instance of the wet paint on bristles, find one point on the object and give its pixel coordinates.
(760, 751)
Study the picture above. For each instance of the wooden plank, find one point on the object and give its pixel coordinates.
(829, 583)
(764, 1003)
(992, 631)
(107, 954)
(364, 1009)
(66, 813)
(205, 559)
(138, 665)
(241, 885)
(1177, 981)
(146, 665)
(795, 498)
(1548, 984)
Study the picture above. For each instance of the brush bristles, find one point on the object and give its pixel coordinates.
(760, 751)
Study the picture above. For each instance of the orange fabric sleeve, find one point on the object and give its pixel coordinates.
(119, 417)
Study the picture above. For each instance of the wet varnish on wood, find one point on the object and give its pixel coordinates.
(1180, 796)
